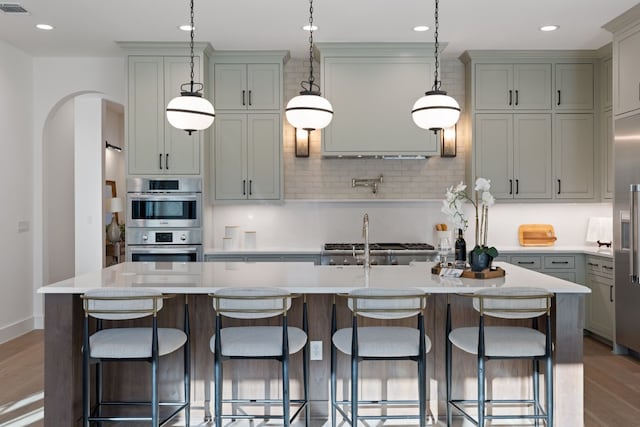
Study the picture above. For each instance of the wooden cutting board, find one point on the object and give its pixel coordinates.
(536, 235)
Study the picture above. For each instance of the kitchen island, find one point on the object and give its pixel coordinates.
(193, 281)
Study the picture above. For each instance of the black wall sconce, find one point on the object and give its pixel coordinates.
(302, 142)
(112, 147)
(449, 141)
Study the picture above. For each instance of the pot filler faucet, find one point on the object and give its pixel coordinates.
(365, 235)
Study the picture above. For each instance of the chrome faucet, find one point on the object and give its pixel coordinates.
(365, 235)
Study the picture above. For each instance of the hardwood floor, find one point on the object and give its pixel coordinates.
(612, 385)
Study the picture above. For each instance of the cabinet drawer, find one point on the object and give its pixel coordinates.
(558, 262)
(600, 266)
(527, 261)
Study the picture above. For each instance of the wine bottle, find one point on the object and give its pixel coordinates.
(461, 247)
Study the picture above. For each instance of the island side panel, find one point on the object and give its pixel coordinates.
(62, 360)
(568, 352)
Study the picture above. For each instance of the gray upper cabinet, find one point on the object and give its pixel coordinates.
(247, 156)
(247, 86)
(514, 152)
(626, 62)
(247, 139)
(512, 86)
(372, 89)
(574, 87)
(154, 146)
(573, 156)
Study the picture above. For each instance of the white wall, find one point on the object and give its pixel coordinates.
(309, 224)
(16, 101)
(59, 216)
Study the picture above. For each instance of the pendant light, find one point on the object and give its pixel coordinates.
(309, 110)
(190, 111)
(436, 110)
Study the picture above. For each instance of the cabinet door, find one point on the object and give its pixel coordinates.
(574, 87)
(230, 145)
(532, 156)
(230, 87)
(494, 152)
(607, 83)
(494, 87)
(372, 100)
(146, 124)
(600, 306)
(627, 71)
(263, 86)
(263, 160)
(532, 86)
(607, 157)
(181, 150)
(574, 156)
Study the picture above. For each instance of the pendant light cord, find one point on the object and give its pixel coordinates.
(309, 85)
(436, 82)
(191, 45)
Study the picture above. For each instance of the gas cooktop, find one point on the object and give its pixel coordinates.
(379, 246)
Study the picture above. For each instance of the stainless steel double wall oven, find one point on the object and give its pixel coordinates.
(164, 219)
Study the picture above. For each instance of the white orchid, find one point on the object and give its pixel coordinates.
(452, 206)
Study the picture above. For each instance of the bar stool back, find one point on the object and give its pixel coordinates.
(146, 344)
(505, 342)
(258, 342)
(380, 343)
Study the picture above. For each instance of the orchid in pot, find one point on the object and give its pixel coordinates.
(481, 255)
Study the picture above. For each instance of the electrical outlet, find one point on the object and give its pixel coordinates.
(316, 350)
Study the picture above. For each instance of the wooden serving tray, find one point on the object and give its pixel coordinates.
(536, 235)
(468, 274)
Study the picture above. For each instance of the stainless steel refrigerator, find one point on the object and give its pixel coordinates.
(626, 233)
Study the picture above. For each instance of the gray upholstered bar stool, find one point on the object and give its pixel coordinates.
(519, 341)
(389, 342)
(110, 343)
(251, 341)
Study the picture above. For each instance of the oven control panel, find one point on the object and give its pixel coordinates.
(149, 236)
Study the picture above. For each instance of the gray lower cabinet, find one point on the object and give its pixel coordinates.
(272, 257)
(599, 308)
(569, 267)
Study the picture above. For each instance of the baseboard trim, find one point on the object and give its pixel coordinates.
(16, 329)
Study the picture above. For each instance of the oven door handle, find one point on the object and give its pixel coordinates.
(163, 249)
(165, 196)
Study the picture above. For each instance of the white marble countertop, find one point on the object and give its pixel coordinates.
(300, 277)
(587, 250)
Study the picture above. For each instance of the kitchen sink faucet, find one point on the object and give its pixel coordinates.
(365, 235)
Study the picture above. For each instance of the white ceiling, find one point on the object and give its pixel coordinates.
(91, 27)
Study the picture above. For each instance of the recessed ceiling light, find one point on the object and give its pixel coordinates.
(421, 28)
(549, 28)
(186, 27)
(309, 28)
(45, 27)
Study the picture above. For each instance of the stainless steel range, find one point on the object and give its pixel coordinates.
(380, 253)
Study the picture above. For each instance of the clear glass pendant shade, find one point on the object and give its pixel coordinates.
(190, 112)
(309, 112)
(436, 110)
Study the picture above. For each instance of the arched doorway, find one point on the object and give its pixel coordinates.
(74, 143)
